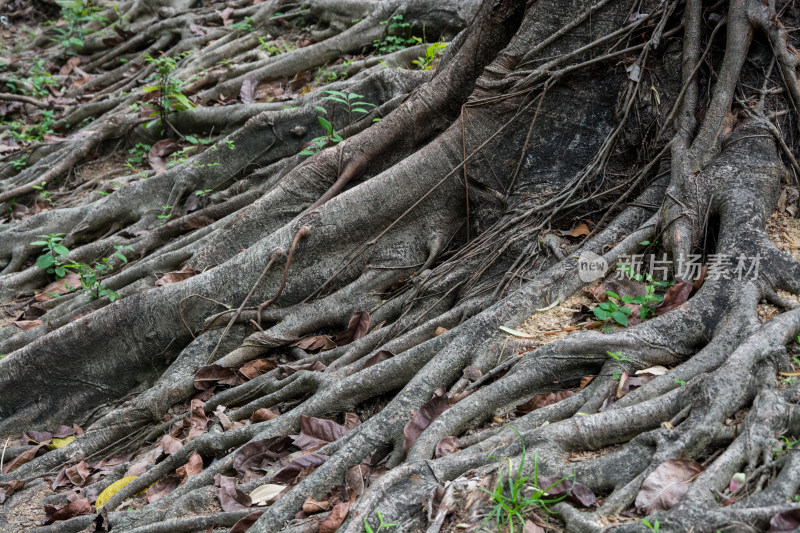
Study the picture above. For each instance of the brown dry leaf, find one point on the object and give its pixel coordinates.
(530, 527)
(543, 399)
(261, 454)
(38, 437)
(80, 475)
(230, 497)
(666, 485)
(28, 324)
(244, 524)
(192, 467)
(439, 331)
(25, 457)
(253, 369)
(170, 444)
(80, 506)
(577, 493)
(785, 522)
(291, 471)
(322, 428)
(177, 276)
(312, 506)
(263, 415)
(248, 92)
(9, 489)
(356, 328)
(379, 357)
(159, 153)
(581, 230)
(197, 30)
(355, 478)
(208, 376)
(71, 63)
(162, 488)
(351, 420)
(423, 418)
(315, 342)
(335, 519)
(225, 14)
(675, 297)
(71, 280)
(446, 446)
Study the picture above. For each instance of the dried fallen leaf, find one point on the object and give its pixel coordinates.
(159, 153)
(293, 469)
(575, 492)
(675, 297)
(657, 370)
(192, 467)
(230, 497)
(263, 414)
(162, 487)
(785, 522)
(28, 324)
(266, 493)
(248, 92)
(543, 399)
(177, 276)
(68, 283)
(80, 506)
(581, 230)
(322, 428)
(244, 524)
(111, 490)
(335, 518)
(312, 506)
(356, 328)
(446, 446)
(666, 485)
(25, 457)
(423, 418)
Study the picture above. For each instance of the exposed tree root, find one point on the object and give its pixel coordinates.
(431, 232)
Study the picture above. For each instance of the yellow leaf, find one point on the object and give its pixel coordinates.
(794, 374)
(306, 89)
(57, 443)
(111, 490)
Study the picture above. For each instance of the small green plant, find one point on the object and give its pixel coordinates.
(784, 448)
(54, 259)
(44, 194)
(26, 133)
(20, 163)
(138, 153)
(427, 62)
(396, 37)
(381, 524)
(170, 98)
(165, 214)
(328, 76)
(654, 526)
(77, 14)
(521, 494)
(203, 192)
(275, 49)
(616, 308)
(680, 382)
(352, 104)
(230, 144)
(617, 356)
(244, 25)
(90, 275)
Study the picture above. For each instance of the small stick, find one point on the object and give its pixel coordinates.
(302, 232)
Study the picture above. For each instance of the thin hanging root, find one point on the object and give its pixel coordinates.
(301, 233)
